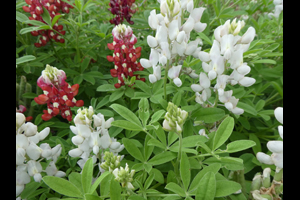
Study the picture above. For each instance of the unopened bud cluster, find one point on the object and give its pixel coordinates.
(92, 137)
(261, 185)
(226, 54)
(111, 161)
(58, 94)
(262, 188)
(124, 176)
(125, 56)
(29, 154)
(122, 9)
(35, 8)
(174, 118)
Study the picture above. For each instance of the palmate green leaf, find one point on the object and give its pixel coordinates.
(126, 114)
(257, 147)
(229, 163)
(62, 186)
(269, 61)
(87, 175)
(158, 176)
(223, 133)
(239, 145)
(106, 88)
(98, 181)
(92, 197)
(185, 173)
(46, 16)
(144, 110)
(127, 125)
(84, 64)
(148, 181)
(247, 108)
(21, 17)
(208, 115)
(55, 19)
(29, 29)
(115, 190)
(116, 95)
(215, 167)
(225, 188)
(207, 187)
(133, 150)
(34, 22)
(75, 178)
(154, 142)
(175, 188)
(163, 157)
(157, 115)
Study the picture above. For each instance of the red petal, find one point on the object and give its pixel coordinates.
(110, 46)
(26, 9)
(46, 117)
(74, 87)
(117, 85)
(69, 103)
(113, 73)
(28, 119)
(79, 103)
(38, 101)
(138, 49)
(55, 111)
(110, 58)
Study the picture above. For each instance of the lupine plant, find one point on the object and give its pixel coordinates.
(149, 99)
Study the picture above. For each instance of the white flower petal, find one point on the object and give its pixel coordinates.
(275, 146)
(278, 112)
(264, 158)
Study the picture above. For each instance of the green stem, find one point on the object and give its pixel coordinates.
(165, 80)
(176, 168)
(192, 98)
(149, 134)
(56, 54)
(217, 99)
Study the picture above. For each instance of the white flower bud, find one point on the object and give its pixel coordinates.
(20, 119)
(145, 63)
(247, 81)
(75, 152)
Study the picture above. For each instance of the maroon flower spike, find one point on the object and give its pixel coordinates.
(53, 6)
(125, 56)
(58, 94)
(122, 9)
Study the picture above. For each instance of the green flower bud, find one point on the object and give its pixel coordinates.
(124, 176)
(174, 118)
(256, 182)
(266, 181)
(111, 161)
(278, 175)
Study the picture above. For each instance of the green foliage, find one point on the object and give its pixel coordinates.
(168, 165)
